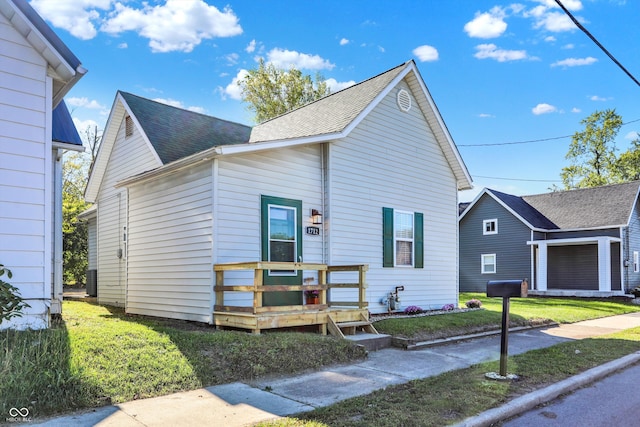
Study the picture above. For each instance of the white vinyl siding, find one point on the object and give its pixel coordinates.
(170, 246)
(25, 174)
(293, 173)
(128, 158)
(392, 159)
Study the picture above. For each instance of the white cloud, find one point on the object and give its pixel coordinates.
(575, 62)
(283, 58)
(491, 51)
(179, 104)
(550, 39)
(543, 109)
(555, 22)
(232, 58)
(569, 4)
(344, 41)
(632, 135)
(598, 98)
(487, 25)
(335, 85)
(485, 115)
(83, 125)
(568, 46)
(83, 102)
(426, 53)
(251, 47)
(123, 45)
(75, 16)
(576, 110)
(233, 90)
(178, 25)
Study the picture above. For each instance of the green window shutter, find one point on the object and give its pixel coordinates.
(387, 237)
(418, 239)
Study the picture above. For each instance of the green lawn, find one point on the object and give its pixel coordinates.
(523, 312)
(99, 355)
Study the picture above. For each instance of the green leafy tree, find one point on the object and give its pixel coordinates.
(592, 152)
(11, 304)
(74, 232)
(629, 162)
(271, 91)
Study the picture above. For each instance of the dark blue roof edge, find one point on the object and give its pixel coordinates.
(63, 128)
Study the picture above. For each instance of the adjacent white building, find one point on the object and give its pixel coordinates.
(36, 71)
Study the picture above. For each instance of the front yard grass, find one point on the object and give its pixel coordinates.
(99, 355)
(523, 312)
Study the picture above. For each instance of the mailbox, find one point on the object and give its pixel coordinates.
(507, 288)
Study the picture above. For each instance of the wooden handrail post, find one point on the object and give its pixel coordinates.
(362, 279)
(219, 282)
(322, 280)
(257, 295)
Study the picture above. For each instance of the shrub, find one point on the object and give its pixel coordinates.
(473, 303)
(11, 305)
(448, 307)
(413, 309)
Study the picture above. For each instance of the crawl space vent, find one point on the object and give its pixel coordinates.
(404, 100)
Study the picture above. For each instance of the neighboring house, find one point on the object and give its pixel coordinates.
(581, 242)
(36, 71)
(177, 192)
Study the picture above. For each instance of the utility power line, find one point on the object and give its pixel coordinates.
(584, 30)
(490, 144)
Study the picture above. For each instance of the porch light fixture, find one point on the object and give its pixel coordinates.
(316, 217)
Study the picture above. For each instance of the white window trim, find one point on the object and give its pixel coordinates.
(488, 221)
(483, 264)
(636, 262)
(396, 239)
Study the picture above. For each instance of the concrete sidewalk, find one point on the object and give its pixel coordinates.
(241, 404)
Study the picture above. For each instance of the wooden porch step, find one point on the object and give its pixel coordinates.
(353, 324)
(349, 328)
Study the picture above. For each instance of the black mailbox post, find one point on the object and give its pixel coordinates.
(506, 289)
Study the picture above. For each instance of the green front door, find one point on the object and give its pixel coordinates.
(281, 241)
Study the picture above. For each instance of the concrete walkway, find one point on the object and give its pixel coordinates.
(242, 404)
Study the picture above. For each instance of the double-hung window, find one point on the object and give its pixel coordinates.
(488, 263)
(403, 242)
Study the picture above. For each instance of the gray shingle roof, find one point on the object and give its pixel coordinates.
(331, 114)
(596, 207)
(176, 133)
(525, 210)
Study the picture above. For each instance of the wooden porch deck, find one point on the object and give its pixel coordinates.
(336, 317)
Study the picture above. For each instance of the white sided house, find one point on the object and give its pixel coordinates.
(36, 71)
(178, 192)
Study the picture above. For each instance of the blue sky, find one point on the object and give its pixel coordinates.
(500, 72)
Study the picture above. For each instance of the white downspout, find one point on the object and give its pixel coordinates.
(56, 295)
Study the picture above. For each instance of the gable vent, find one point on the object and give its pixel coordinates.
(128, 126)
(404, 100)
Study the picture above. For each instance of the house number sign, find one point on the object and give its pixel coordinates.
(315, 231)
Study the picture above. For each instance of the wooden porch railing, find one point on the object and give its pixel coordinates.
(288, 315)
